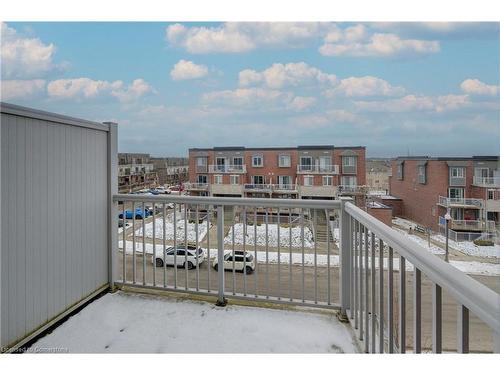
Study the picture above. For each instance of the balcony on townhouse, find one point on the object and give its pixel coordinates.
(258, 188)
(317, 169)
(352, 189)
(487, 181)
(228, 168)
(196, 186)
(460, 202)
(284, 188)
(469, 225)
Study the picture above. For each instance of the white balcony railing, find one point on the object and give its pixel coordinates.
(227, 168)
(487, 181)
(284, 187)
(371, 256)
(259, 187)
(352, 189)
(318, 169)
(195, 186)
(474, 225)
(466, 202)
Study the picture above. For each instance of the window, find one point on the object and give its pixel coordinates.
(258, 180)
(349, 181)
(306, 163)
(221, 164)
(284, 161)
(284, 180)
(200, 162)
(456, 193)
(457, 172)
(234, 179)
(349, 161)
(324, 163)
(327, 180)
(201, 179)
(218, 179)
(257, 161)
(308, 180)
(401, 171)
(238, 162)
(421, 174)
(491, 194)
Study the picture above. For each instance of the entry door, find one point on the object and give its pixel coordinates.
(324, 163)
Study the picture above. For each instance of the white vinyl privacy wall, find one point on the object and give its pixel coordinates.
(57, 176)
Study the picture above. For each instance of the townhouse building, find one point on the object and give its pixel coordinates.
(305, 172)
(171, 170)
(135, 172)
(468, 188)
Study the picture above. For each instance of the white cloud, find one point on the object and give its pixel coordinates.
(237, 37)
(24, 57)
(247, 97)
(476, 87)
(300, 103)
(358, 41)
(364, 86)
(137, 89)
(414, 103)
(19, 89)
(188, 70)
(86, 88)
(280, 75)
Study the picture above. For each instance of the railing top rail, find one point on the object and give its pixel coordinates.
(229, 201)
(478, 298)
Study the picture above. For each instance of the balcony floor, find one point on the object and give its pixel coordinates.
(132, 323)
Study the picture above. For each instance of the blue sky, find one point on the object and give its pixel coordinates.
(422, 88)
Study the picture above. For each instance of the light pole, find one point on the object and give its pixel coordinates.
(447, 218)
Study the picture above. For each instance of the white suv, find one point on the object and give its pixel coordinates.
(194, 256)
(240, 264)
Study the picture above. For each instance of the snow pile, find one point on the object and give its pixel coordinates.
(129, 323)
(272, 236)
(470, 248)
(404, 223)
(179, 227)
(424, 243)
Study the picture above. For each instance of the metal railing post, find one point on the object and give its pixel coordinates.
(221, 300)
(112, 144)
(345, 259)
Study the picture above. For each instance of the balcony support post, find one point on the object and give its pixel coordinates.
(345, 258)
(221, 300)
(112, 182)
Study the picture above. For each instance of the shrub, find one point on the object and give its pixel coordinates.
(483, 242)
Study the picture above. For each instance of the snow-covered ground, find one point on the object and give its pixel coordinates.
(466, 247)
(128, 323)
(472, 268)
(470, 248)
(272, 235)
(127, 225)
(179, 227)
(424, 243)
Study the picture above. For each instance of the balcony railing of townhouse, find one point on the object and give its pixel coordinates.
(195, 186)
(227, 168)
(473, 202)
(258, 187)
(487, 181)
(352, 189)
(476, 225)
(284, 187)
(370, 255)
(313, 169)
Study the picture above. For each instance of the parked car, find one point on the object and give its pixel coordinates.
(171, 259)
(240, 264)
(138, 214)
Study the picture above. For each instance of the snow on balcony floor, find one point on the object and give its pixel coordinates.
(132, 323)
